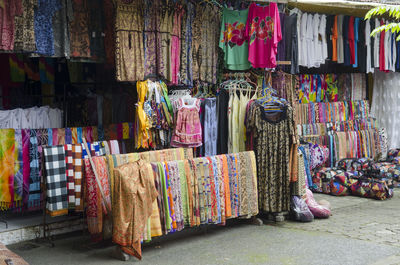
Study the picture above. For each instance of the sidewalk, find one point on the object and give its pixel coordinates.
(361, 231)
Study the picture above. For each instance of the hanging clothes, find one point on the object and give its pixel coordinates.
(133, 183)
(61, 30)
(232, 39)
(24, 27)
(129, 50)
(263, 30)
(188, 129)
(10, 10)
(223, 120)
(273, 135)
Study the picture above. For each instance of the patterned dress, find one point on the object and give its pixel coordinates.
(129, 50)
(272, 137)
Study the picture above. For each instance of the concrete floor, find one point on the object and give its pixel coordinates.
(361, 231)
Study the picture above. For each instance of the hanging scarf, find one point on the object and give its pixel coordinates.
(25, 165)
(7, 167)
(34, 176)
(96, 205)
(18, 167)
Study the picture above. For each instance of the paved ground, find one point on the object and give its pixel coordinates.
(361, 231)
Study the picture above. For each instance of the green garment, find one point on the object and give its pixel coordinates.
(232, 40)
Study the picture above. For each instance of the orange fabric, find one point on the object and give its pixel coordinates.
(225, 171)
(334, 40)
(134, 196)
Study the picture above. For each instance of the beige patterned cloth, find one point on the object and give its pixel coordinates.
(129, 50)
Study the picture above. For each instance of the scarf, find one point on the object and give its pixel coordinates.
(34, 176)
(96, 205)
(7, 171)
(18, 167)
(25, 165)
(77, 167)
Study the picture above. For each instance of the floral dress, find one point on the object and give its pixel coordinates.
(187, 131)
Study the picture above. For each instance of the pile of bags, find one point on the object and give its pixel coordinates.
(358, 177)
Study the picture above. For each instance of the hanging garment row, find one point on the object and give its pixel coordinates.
(341, 126)
(345, 40)
(240, 91)
(174, 41)
(54, 28)
(332, 87)
(22, 160)
(175, 194)
(32, 118)
(351, 144)
(332, 111)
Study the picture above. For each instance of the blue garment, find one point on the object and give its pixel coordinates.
(43, 23)
(306, 165)
(79, 135)
(50, 137)
(356, 39)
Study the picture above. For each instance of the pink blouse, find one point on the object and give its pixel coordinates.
(263, 32)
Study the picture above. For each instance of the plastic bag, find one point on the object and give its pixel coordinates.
(317, 210)
(300, 210)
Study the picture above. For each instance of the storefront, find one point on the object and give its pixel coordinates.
(135, 119)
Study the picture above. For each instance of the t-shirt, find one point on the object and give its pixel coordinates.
(377, 46)
(362, 48)
(303, 33)
(382, 50)
(335, 39)
(310, 41)
(372, 44)
(291, 43)
(322, 34)
(263, 32)
(356, 39)
(232, 39)
(329, 32)
(317, 44)
(369, 65)
(346, 41)
(340, 39)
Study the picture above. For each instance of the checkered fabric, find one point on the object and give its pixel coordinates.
(69, 163)
(77, 156)
(56, 180)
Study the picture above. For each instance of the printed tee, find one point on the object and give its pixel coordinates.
(263, 32)
(232, 39)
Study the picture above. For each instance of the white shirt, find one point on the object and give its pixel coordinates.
(303, 32)
(310, 41)
(369, 67)
(340, 47)
(322, 33)
(376, 44)
(317, 45)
